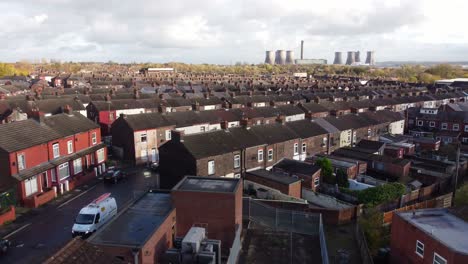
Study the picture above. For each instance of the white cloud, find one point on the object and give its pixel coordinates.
(226, 31)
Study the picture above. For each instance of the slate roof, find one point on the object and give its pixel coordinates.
(211, 143)
(295, 166)
(25, 134)
(67, 125)
(274, 176)
(314, 108)
(146, 121)
(306, 128)
(274, 133)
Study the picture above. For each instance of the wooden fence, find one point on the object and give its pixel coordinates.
(443, 201)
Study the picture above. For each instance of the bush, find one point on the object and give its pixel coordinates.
(342, 178)
(381, 194)
(327, 170)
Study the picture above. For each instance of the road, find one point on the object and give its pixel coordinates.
(50, 230)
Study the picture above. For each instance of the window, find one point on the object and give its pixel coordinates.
(466, 128)
(432, 124)
(56, 150)
(444, 126)
(304, 148)
(438, 259)
(168, 135)
(296, 148)
(100, 155)
(143, 137)
(316, 181)
(77, 168)
(270, 155)
(21, 161)
(324, 141)
(465, 140)
(420, 123)
(93, 138)
(420, 248)
(30, 185)
(70, 146)
(236, 161)
(237, 175)
(369, 132)
(456, 127)
(202, 129)
(260, 155)
(211, 167)
(63, 171)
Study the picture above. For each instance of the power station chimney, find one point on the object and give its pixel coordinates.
(338, 58)
(270, 57)
(357, 57)
(350, 59)
(289, 57)
(370, 59)
(302, 49)
(280, 57)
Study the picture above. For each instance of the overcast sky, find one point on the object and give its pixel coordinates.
(227, 31)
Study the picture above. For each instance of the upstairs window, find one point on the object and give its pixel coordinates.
(143, 137)
(260, 155)
(236, 161)
(211, 167)
(168, 135)
(456, 127)
(438, 259)
(270, 155)
(70, 146)
(296, 148)
(304, 148)
(420, 248)
(444, 126)
(93, 138)
(21, 161)
(56, 150)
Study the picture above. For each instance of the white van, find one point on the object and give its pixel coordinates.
(94, 215)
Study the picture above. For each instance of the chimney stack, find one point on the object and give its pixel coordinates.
(338, 58)
(351, 57)
(370, 59)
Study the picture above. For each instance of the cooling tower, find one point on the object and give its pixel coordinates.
(370, 59)
(338, 58)
(289, 57)
(270, 57)
(280, 57)
(357, 57)
(350, 59)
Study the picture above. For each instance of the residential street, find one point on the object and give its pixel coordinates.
(50, 230)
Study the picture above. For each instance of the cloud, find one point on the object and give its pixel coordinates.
(226, 31)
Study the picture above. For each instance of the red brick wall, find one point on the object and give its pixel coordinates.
(34, 156)
(403, 245)
(284, 188)
(219, 213)
(159, 242)
(7, 216)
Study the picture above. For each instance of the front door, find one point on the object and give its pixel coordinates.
(44, 181)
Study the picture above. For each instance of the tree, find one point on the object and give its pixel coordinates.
(381, 194)
(342, 178)
(461, 196)
(371, 224)
(327, 170)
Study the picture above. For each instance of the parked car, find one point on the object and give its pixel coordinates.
(154, 166)
(113, 175)
(94, 215)
(4, 246)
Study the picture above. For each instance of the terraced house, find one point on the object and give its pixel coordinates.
(48, 155)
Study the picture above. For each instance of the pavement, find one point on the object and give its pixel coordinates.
(39, 233)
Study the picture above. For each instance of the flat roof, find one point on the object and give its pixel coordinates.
(137, 223)
(274, 176)
(207, 184)
(442, 226)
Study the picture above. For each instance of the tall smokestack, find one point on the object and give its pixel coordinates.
(280, 57)
(350, 59)
(289, 57)
(338, 58)
(370, 59)
(357, 57)
(302, 49)
(270, 57)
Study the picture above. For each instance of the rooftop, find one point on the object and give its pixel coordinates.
(442, 226)
(207, 184)
(137, 223)
(274, 176)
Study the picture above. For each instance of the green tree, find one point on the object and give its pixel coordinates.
(327, 170)
(342, 179)
(381, 194)
(371, 225)
(461, 196)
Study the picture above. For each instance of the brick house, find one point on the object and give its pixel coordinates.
(137, 138)
(284, 183)
(59, 151)
(308, 173)
(433, 236)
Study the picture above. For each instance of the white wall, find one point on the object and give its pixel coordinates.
(397, 127)
(344, 138)
(194, 129)
(295, 117)
(130, 111)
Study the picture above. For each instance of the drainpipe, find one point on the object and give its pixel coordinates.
(135, 252)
